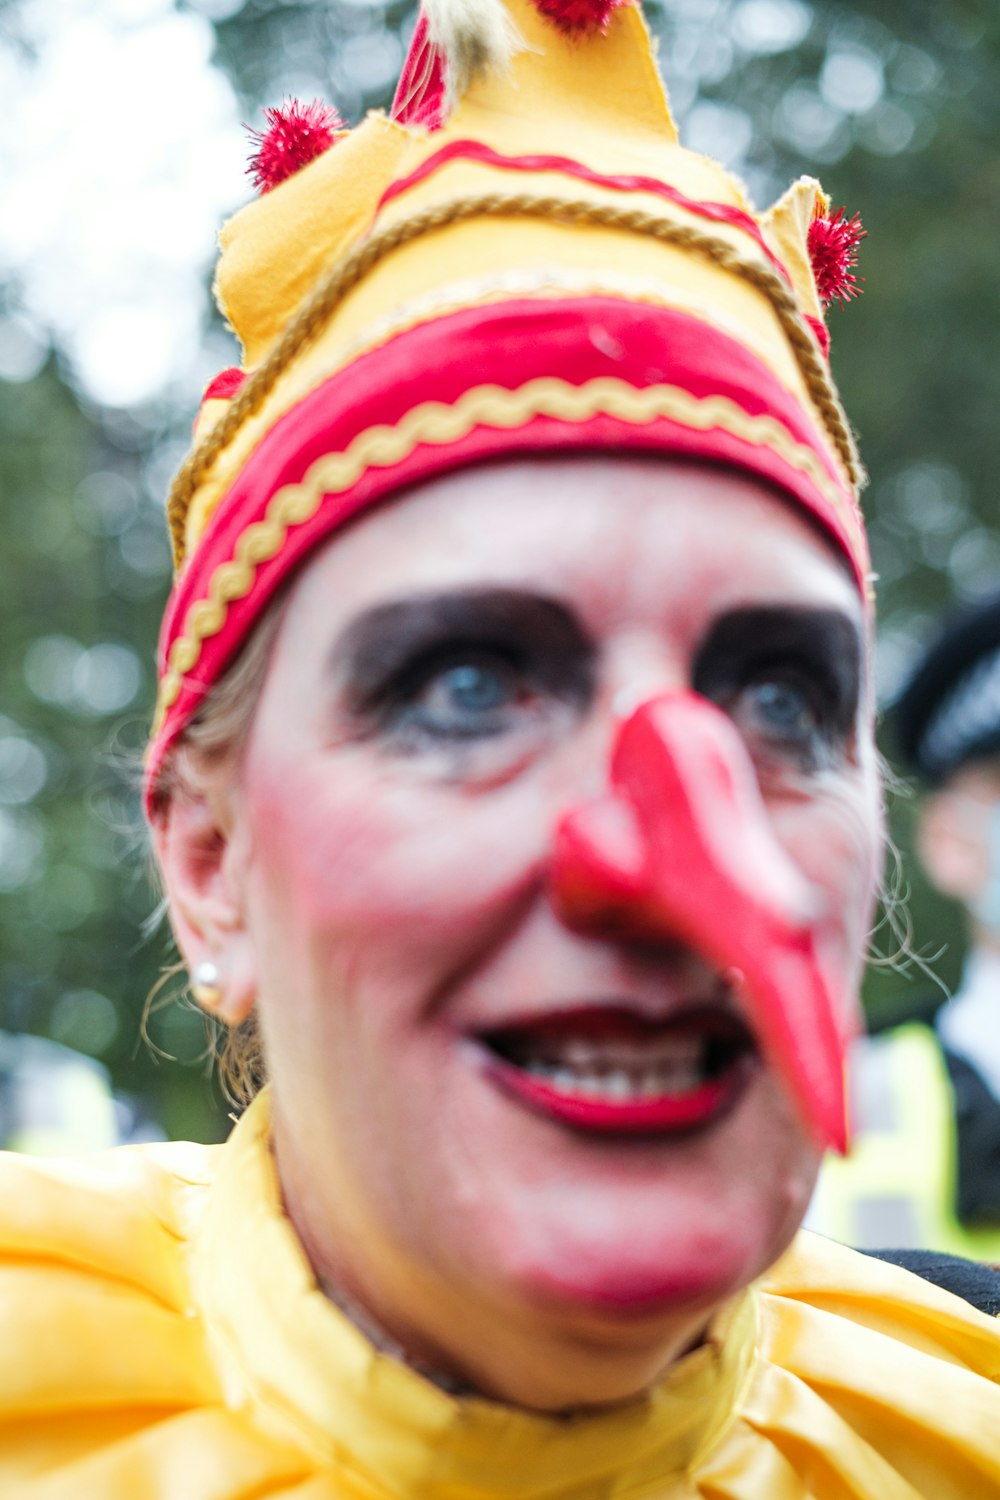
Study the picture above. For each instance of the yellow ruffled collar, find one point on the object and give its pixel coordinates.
(303, 1372)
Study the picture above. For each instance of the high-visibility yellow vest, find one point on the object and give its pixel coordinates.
(53, 1101)
(898, 1186)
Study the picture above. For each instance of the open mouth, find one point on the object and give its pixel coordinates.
(611, 1070)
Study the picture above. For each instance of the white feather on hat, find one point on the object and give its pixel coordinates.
(474, 36)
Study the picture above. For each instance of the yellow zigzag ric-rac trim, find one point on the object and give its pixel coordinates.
(349, 272)
(433, 422)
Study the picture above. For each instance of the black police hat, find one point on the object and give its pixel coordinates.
(949, 711)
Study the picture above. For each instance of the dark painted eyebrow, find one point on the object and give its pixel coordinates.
(383, 642)
(828, 642)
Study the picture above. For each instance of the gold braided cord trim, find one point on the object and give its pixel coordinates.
(435, 423)
(347, 273)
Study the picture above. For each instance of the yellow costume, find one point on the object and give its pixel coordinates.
(161, 1336)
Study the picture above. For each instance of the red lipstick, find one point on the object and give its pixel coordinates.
(609, 1070)
(666, 1115)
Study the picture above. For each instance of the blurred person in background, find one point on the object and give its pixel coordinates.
(515, 793)
(924, 1170)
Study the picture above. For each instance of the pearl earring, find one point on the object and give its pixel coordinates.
(205, 985)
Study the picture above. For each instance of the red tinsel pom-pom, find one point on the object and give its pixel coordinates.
(296, 134)
(579, 17)
(833, 249)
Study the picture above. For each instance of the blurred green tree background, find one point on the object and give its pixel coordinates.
(895, 104)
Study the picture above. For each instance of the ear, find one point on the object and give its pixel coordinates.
(952, 846)
(197, 841)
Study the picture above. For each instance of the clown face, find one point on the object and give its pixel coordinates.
(446, 692)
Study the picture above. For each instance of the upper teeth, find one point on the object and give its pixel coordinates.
(631, 1057)
(620, 1083)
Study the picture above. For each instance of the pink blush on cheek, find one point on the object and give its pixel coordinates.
(379, 874)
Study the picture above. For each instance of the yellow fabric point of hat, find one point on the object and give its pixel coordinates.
(277, 247)
(785, 226)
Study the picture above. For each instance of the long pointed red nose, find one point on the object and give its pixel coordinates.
(680, 848)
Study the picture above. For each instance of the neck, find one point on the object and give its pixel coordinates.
(555, 1371)
(384, 1342)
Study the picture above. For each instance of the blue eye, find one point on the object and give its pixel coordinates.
(472, 689)
(782, 708)
(779, 717)
(466, 698)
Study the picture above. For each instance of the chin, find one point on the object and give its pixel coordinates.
(609, 1260)
(613, 1279)
(631, 1228)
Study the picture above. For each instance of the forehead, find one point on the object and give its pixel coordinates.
(618, 537)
